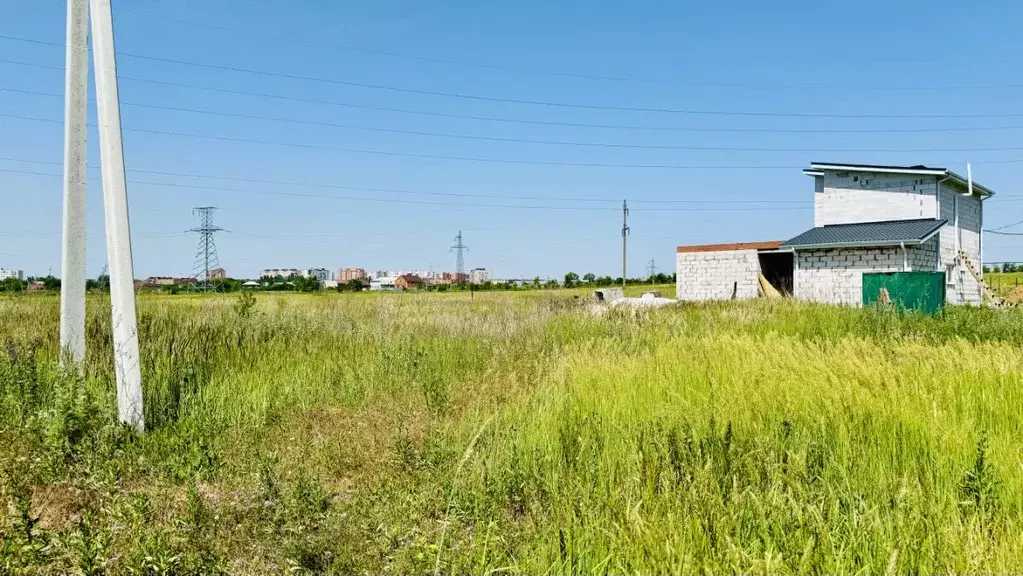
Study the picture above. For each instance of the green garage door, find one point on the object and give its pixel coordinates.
(920, 291)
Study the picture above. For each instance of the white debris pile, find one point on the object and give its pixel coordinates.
(648, 300)
(608, 298)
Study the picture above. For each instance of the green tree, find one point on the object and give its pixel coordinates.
(571, 279)
(12, 285)
(306, 283)
(589, 277)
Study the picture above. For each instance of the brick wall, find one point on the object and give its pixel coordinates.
(924, 258)
(872, 197)
(713, 275)
(836, 276)
(961, 287)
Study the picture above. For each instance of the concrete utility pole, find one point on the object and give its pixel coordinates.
(625, 234)
(118, 228)
(72, 260)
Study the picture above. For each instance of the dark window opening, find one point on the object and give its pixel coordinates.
(777, 268)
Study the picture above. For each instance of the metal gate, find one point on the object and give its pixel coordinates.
(919, 291)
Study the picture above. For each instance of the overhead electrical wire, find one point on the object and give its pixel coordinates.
(556, 73)
(420, 192)
(543, 103)
(497, 119)
(516, 161)
(401, 201)
(666, 147)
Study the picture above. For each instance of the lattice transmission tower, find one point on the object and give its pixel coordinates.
(459, 249)
(206, 253)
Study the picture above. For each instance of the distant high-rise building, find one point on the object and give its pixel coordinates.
(6, 273)
(348, 274)
(478, 276)
(217, 273)
(321, 274)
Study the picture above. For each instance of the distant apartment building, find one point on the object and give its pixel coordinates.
(383, 283)
(455, 276)
(321, 274)
(217, 273)
(6, 273)
(345, 275)
(282, 272)
(478, 276)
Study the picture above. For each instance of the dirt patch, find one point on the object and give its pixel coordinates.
(57, 506)
(1014, 295)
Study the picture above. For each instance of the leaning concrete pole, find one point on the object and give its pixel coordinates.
(72, 262)
(115, 207)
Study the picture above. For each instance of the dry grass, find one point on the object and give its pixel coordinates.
(345, 433)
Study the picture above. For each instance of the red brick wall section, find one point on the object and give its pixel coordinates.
(771, 245)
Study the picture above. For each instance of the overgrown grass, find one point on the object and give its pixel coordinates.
(365, 433)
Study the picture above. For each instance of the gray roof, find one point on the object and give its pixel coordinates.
(891, 233)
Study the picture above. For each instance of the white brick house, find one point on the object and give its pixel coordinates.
(866, 219)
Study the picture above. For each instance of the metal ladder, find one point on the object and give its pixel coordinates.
(995, 300)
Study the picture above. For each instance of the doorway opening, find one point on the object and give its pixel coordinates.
(778, 268)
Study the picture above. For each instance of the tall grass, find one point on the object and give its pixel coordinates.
(461, 433)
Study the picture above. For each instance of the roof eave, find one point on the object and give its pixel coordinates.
(978, 189)
(882, 169)
(865, 244)
(872, 244)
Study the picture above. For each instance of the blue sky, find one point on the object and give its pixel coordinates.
(778, 77)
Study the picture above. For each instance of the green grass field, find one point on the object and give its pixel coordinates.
(514, 432)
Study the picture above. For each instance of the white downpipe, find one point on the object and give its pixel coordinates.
(795, 275)
(72, 260)
(115, 205)
(980, 231)
(905, 257)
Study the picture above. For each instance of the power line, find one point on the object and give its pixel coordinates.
(994, 230)
(544, 103)
(511, 140)
(416, 192)
(554, 73)
(519, 161)
(515, 161)
(628, 127)
(421, 202)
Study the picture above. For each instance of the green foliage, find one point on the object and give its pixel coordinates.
(13, 285)
(244, 305)
(513, 431)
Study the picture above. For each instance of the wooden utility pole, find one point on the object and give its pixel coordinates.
(625, 234)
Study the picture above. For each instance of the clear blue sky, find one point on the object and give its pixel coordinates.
(897, 59)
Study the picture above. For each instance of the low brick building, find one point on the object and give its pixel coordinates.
(726, 271)
(408, 282)
(867, 218)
